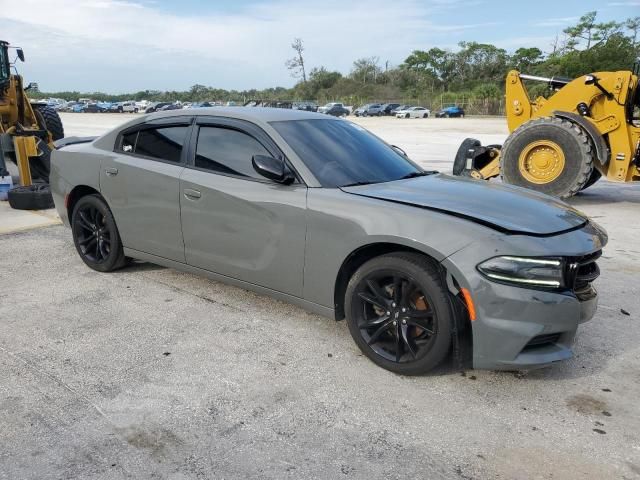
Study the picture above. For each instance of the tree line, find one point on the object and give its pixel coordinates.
(472, 75)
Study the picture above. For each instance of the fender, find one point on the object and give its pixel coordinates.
(602, 149)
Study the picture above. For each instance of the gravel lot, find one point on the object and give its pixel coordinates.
(152, 373)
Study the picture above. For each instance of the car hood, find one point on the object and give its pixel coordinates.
(501, 207)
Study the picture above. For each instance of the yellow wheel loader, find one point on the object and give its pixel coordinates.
(27, 133)
(588, 128)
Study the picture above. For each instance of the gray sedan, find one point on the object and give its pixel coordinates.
(319, 212)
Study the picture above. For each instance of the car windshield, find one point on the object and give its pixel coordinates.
(341, 153)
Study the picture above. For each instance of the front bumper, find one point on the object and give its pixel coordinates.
(521, 328)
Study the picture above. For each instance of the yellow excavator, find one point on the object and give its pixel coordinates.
(28, 131)
(589, 127)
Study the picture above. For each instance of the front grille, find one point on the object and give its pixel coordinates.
(581, 271)
(543, 340)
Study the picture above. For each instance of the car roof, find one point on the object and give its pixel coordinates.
(254, 114)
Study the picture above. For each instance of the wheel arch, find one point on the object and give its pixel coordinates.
(602, 149)
(364, 253)
(76, 194)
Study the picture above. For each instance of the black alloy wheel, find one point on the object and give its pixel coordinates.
(95, 234)
(398, 313)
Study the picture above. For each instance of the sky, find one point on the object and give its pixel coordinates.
(119, 46)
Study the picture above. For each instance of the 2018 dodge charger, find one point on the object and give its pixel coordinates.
(317, 211)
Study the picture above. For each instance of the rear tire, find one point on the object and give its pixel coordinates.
(551, 155)
(405, 288)
(51, 119)
(96, 235)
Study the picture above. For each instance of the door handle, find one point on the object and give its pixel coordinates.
(189, 193)
(112, 172)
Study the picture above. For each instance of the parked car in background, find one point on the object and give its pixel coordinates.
(171, 106)
(398, 108)
(128, 107)
(198, 105)
(388, 107)
(413, 112)
(338, 110)
(328, 106)
(306, 106)
(90, 107)
(154, 107)
(369, 110)
(450, 112)
(417, 263)
(66, 107)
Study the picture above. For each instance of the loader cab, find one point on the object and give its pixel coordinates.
(633, 104)
(5, 72)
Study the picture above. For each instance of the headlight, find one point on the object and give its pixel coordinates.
(523, 271)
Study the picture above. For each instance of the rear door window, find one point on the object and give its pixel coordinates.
(161, 143)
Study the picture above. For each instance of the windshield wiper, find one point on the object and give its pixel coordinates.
(356, 184)
(417, 174)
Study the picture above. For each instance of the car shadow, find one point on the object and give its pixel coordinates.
(140, 266)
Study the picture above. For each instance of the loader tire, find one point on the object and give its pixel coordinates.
(460, 162)
(40, 166)
(595, 176)
(51, 120)
(34, 197)
(550, 155)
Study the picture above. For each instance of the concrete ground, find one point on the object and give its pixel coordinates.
(152, 373)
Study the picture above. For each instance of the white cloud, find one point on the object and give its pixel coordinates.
(124, 45)
(556, 22)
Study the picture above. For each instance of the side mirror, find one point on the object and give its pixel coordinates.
(272, 168)
(20, 54)
(589, 80)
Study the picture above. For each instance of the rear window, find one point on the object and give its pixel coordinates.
(162, 143)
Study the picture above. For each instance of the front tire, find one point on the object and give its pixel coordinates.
(95, 234)
(551, 155)
(593, 178)
(398, 313)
